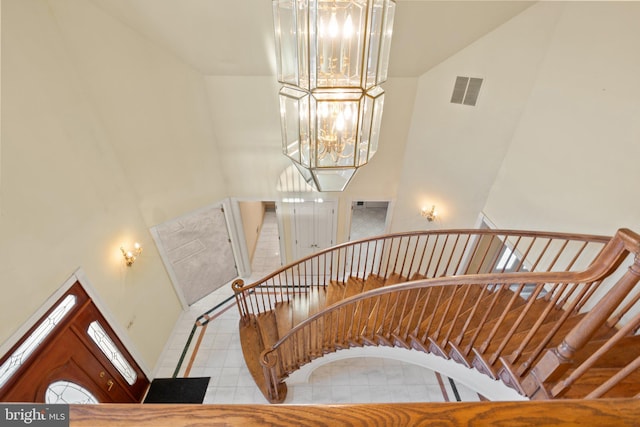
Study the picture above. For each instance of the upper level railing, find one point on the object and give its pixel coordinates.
(416, 255)
(593, 413)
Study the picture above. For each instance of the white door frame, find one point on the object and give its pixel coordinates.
(388, 218)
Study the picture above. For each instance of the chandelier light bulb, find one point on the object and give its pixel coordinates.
(347, 31)
(333, 26)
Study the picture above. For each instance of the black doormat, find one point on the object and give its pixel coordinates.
(177, 390)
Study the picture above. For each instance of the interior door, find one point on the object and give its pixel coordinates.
(314, 227)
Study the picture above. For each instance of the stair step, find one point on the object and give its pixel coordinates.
(498, 303)
(481, 360)
(630, 386)
(268, 328)
(252, 347)
(284, 317)
(334, 293)
(354, 287)
(535, 311)
(625, 351)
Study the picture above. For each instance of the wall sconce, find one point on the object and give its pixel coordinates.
(430, 215)
(130, 255)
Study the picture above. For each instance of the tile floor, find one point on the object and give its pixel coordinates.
(218, 355)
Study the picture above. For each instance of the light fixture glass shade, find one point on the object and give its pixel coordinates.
(331, 57)
(332, 43)
(330, 132)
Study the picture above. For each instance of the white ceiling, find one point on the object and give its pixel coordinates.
(234, 37)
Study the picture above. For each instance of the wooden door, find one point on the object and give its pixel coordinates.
(69, 358)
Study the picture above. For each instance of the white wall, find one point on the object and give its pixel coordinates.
(454, 152)
(104, 135)
(573, 162)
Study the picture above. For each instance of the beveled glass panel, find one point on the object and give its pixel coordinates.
(104, 343)
(333, 179)
(374, 42)
(294, 119)
(339, 42)
(290, 40)
(336, 126)
(385, 44)
(374, 137)
(68, 393)
(370, 125)
(28, 346)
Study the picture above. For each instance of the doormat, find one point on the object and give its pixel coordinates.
(177, 390)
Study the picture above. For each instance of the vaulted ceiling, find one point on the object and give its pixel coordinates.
(234, 37)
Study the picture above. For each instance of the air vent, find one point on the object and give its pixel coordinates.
(466, 90)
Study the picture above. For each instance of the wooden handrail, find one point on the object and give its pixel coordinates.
(568, 290)
(427, 253)
(594, 413)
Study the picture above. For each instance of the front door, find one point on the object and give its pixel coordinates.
(75, 357)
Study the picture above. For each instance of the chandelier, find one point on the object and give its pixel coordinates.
(331, 57)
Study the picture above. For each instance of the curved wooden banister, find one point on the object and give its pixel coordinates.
(526, 340)
(445, 232)
(429, 253)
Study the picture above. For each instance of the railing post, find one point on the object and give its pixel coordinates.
(241, 300)
(276, 390)
(557, 361)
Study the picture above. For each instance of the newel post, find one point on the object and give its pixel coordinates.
(555, 362)
(276, 390)
(241, 300)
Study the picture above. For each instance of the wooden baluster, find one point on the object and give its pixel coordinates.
(557, 361)
(568, 312)
(424, 308)
(455, 317)
(424, 251)
(444, 315)
(483, 321)
(472, 313)
(615, 320)
(412, 309)
(414, 252)
(557, 256)
(562, 386)
(427, 274)
(483, 347)
(451, 253)
(534, 264)
(614, 380)
(476, 246)
(461, 257)
(441, 253)
(428, 328)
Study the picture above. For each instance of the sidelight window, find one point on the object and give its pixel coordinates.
(104, 343)
(28, 346)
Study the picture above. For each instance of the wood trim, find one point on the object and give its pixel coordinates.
(74, 323)
(604, 412)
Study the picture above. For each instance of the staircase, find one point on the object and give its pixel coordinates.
(551, 315)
